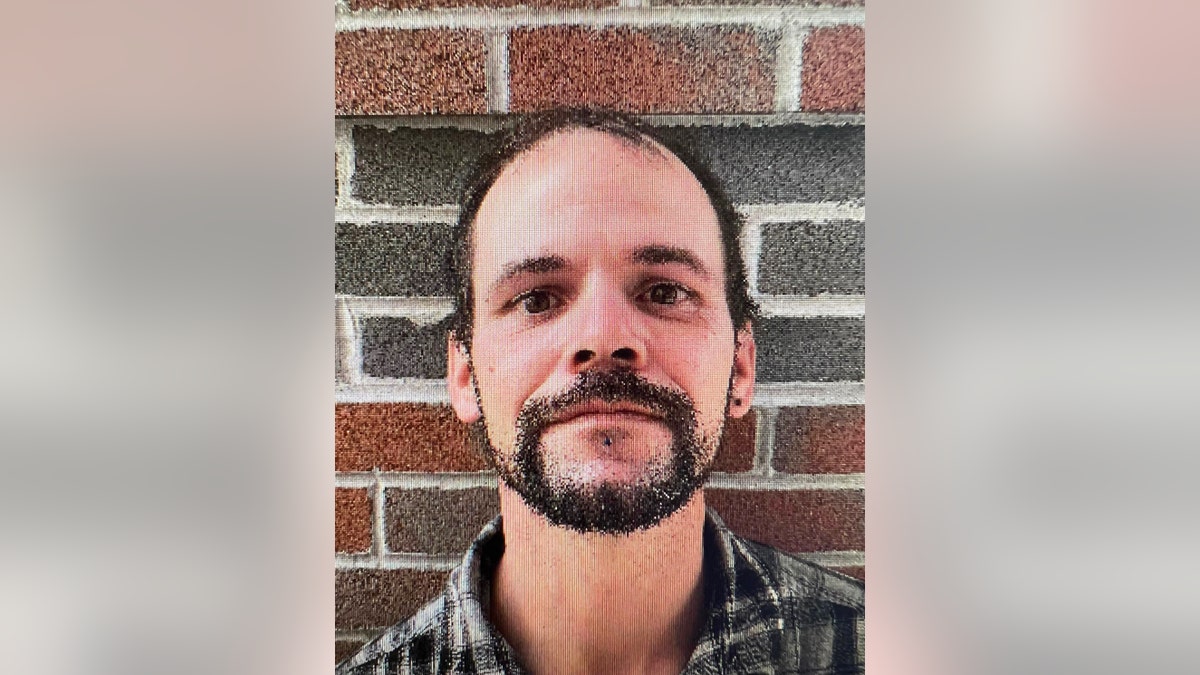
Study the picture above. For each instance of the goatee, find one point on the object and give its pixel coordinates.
(608, 507)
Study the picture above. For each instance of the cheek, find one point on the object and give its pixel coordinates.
(507, 373)
(701, 367)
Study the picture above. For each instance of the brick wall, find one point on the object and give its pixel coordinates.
(772, 96)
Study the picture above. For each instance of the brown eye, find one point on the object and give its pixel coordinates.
(663, 294)
(537, 302)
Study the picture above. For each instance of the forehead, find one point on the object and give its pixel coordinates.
(583, 191)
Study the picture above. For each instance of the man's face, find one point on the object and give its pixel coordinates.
(603, 358)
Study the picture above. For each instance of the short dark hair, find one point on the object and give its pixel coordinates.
(527, 131)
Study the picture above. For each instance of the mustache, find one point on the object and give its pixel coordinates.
(609, 386)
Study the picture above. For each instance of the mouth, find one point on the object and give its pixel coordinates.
(600, 408)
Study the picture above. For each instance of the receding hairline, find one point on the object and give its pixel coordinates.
(641, 143)
(647, 145)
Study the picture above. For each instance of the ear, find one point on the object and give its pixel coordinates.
(461, 382)
(741, 388)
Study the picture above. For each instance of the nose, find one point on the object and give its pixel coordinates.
(607, 333)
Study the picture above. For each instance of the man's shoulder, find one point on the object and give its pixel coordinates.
(780, 613)
(408, 647)
(797, 580)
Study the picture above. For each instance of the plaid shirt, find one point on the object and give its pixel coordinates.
(768, 613)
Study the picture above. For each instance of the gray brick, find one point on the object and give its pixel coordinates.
(393, 347)
(786, 163)
(437, 521)
(789, 349)
(400, 259)
(769, 164)
(414, 166)
(374, 598)
(810, 350)
(810, 258)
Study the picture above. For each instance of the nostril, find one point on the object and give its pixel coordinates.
(583, 356)
(624, 354)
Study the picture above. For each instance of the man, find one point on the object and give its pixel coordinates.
(603, 336)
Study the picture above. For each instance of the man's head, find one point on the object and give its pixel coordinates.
(603, 323)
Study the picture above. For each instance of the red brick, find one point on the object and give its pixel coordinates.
(402, 437)
(352, 520)
(437, 521)
(736, 453)
(661, 70)
(859, 573)
(798, 521)
(495, 4)
(380, 598)
(828, 439)
(387, 72)
(834, 75)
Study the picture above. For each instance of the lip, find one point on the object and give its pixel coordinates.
(601, 408)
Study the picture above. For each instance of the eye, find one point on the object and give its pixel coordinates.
(664, 294)
(537, 301)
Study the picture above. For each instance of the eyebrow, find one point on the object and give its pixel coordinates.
(665, 255)
(539, 265)
(653, 254)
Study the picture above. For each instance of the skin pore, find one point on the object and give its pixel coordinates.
(595, 257)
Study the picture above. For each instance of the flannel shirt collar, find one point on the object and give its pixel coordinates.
(741, 600)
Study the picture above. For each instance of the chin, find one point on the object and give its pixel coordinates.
(602, 504)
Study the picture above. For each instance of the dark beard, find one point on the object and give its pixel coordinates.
(608, 508)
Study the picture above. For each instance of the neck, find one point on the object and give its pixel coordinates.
(570, 602)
